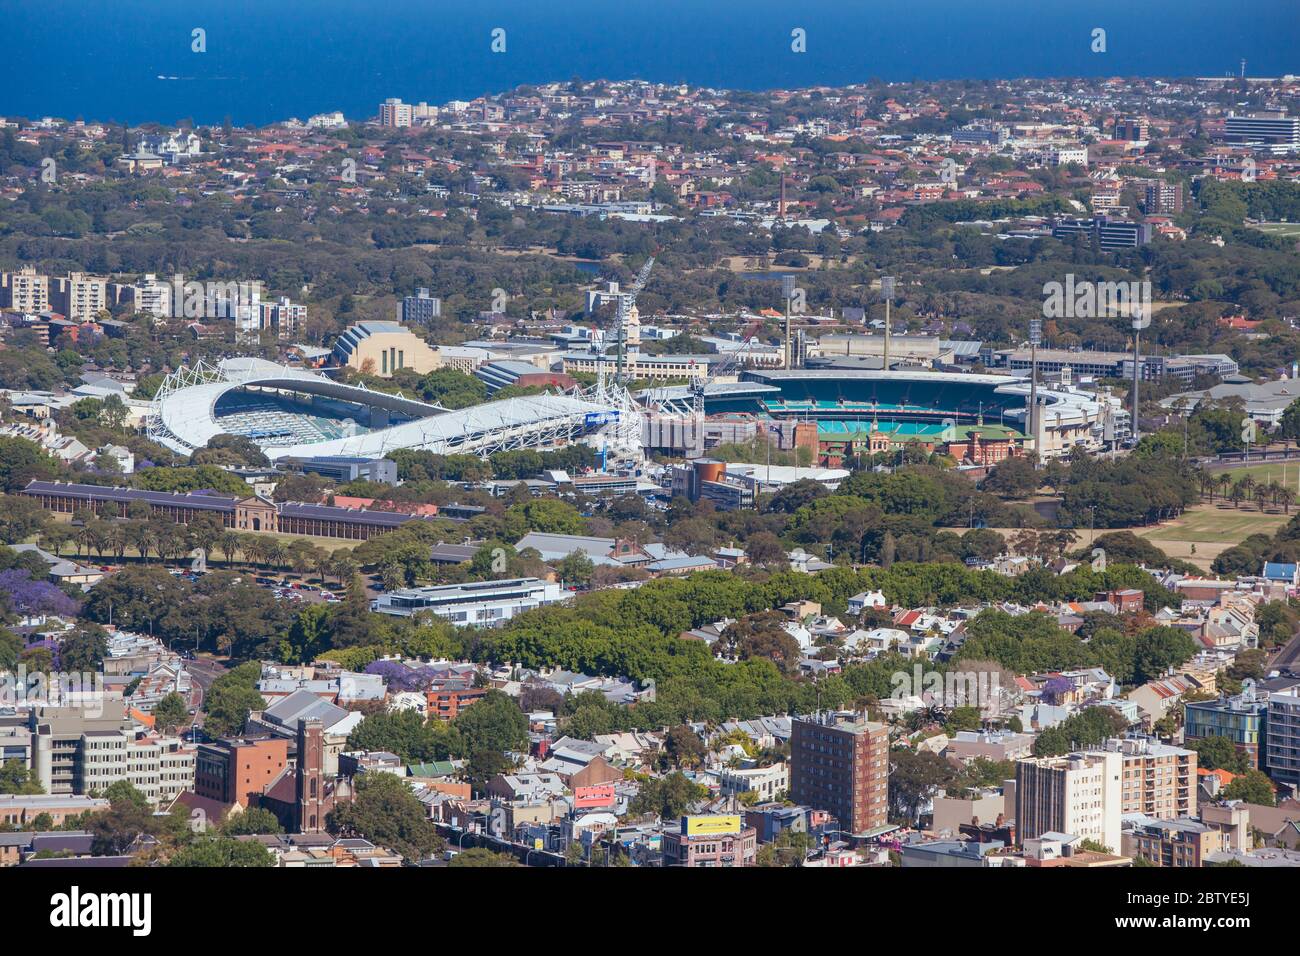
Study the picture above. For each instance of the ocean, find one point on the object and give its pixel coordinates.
(264, 60)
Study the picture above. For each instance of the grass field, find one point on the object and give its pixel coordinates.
(1291, 229)
(1211, 528)
(1287, 473)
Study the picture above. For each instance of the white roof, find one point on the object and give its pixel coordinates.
(186, 414)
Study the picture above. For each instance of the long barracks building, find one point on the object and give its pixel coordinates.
(240, 514)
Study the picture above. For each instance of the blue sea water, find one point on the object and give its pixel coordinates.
(131, 60)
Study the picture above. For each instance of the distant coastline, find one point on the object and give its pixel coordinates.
(265, 62)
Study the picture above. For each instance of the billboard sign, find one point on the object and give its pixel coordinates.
(585, 798)
(711, 825)
(596, 419)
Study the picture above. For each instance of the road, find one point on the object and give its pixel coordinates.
(204, 671)
(1289, 656)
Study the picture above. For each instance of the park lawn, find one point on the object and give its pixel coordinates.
(1279, 228)
(1276, 472)
(1212, 528)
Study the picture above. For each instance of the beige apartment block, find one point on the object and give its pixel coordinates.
(24, 290)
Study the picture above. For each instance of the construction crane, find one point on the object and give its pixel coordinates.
(625, 303)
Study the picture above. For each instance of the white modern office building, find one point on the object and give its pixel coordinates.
(476, 603)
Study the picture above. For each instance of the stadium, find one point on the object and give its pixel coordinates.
(289, 412)
(848, 406)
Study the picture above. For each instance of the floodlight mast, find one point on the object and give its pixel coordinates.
(1140, 321)
(787, 294)
(886, 293)
(1035, 337)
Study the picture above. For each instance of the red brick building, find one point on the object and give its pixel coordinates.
(840, 763)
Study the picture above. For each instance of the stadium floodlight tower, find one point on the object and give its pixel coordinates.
(1141, 319)
(1035, 339)
(788, 293)
(886, 293)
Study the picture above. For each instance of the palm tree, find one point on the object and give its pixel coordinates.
(115, 539)
(254, 548)
(1237, 494)
(1261, 496)
(344, 566)
(300, 559)
(228, 543)
(320, 560)
(139, 536)
(1204, 480)
(275, 554)
(1224, 481)
(1285, 496)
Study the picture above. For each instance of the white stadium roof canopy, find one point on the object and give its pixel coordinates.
(184, 416)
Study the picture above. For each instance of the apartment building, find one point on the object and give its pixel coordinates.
(1080, 794)
(1163, 198)
(767, 782)
(25, 290)
(160, 767)
(420, 309)
(283, 316)
(1159, 780)
(393, 113)
(1132, 129)
(1174, 843)
(72, 752)
(1240, 718)
(1283, 736)
(79, 297)
(839, 762)
(150, 295)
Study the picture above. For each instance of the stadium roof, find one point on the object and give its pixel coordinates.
(184, 416)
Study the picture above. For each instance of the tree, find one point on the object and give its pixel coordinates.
(1218, 753)
(788, 849)
(575, 569)
(386, 812)
(20, 518)
(1253, 787)
(406, 734)
(495, 723)
(254, 821)
(684, 746)
(231, 698)
(170, 712)
(915, 778)
(1014, 477)
(84, 649)
(128, 818)
(17, 779)
(667, 797)
(223, 851)
(478, 856)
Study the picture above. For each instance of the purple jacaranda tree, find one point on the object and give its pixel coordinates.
(27, 596)
(398, 676)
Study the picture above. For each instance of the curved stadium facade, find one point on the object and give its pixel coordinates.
(290, 412)
(849, 405)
